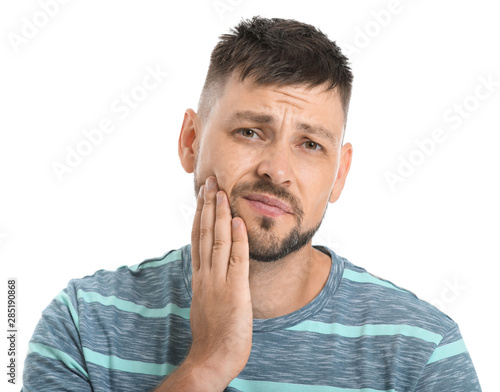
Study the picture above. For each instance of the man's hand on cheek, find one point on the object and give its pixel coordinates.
(221, 309)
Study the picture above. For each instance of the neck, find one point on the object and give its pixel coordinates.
(286, 285)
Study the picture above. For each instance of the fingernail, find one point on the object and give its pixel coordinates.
(201, 192)
(236, 223)
(220, 196)
(210, 183)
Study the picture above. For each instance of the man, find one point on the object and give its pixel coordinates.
(250, 304)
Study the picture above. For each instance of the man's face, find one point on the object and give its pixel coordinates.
(276, 152)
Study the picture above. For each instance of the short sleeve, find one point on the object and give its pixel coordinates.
(450, 368)
(55, 360)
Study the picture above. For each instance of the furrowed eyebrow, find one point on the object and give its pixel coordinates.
(248, 115)
(261, 118)
(317, 131)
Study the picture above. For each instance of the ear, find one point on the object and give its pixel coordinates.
(187, 140)
(344, 166)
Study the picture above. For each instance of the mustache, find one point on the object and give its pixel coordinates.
(263, 186)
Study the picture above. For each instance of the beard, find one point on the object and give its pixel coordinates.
(263, 241)
(265, 246)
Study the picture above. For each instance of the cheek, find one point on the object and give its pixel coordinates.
(227, 164)
(317, 206)
(230, 170)
(317, 189)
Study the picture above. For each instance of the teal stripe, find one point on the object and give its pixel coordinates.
(54, 353)
(126, 365)
(64, 298)
(132, 307)
(365, 277)
(448, 350)
(172, 256)
(354, 331)
(268, 386)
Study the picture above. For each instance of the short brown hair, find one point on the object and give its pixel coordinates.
(279, 52)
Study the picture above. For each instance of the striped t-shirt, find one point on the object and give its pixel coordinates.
(125, 330)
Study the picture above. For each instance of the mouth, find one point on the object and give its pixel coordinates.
(267, 205)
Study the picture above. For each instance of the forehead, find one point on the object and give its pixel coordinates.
(303, 104)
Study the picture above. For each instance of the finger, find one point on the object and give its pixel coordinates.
(195, 231)
(222, 237)
(239, 259)
(207, 223)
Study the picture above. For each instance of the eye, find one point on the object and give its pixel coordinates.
(247, 133)
(313, 146)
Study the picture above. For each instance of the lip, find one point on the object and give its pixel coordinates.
(270, 201)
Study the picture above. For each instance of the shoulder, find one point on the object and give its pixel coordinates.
(151, 278)
(371, 299)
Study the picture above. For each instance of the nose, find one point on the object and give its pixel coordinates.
(275, 164)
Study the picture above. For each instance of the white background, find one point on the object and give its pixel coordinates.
(414, 62)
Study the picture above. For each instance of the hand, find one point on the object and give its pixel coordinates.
(221, 310)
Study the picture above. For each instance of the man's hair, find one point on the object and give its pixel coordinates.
(282, 52)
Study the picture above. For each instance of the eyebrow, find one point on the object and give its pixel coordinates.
(262, 118)
(248, 115)
(317, 131)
